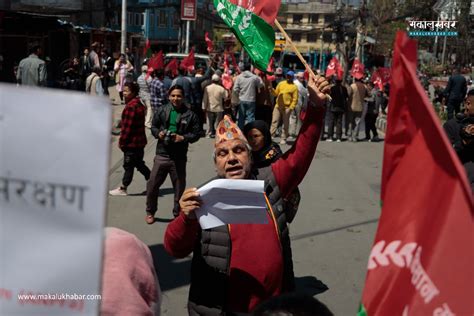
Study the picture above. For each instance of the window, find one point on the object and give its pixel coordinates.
(162, 21)
(312, 38)
(137, 19)
(314, 18)
(129, 18)
(151, 21)
(176, 20)
(296, 37)
(297, 18)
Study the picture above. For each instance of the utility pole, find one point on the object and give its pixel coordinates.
(123, 38)
(188, 26)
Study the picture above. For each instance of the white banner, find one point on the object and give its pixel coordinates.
(54, 155)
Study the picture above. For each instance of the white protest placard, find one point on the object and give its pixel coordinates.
(54, 154)
(227, 201)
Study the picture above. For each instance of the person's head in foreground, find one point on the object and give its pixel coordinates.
(232, 151)
(292, 304)
(130, 91)
(129, 281)
(176, 96)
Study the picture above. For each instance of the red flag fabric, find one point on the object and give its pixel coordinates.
(270, 69)
(334, 68)
(155, 63)
(266, 9)
(172, 66)
(147, 49)
(385, 74)
(234, 63)
(422, 258)
(210, 45)
(357, 70)
(380, 77)
(188, 62)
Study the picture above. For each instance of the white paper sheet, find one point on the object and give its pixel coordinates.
(232, 202)
(54, 155)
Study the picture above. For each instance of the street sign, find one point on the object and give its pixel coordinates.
(188, 10)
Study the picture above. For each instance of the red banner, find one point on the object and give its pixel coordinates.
(210, 44)
(266, 9)
(422, 259)
(334, 68)
(357, 70)
(188, 10)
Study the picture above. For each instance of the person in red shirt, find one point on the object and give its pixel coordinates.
(235, 267)
(132, 138)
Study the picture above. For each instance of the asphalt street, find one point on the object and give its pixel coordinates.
(331, 235)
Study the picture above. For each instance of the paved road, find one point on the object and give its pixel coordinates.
(331, 235)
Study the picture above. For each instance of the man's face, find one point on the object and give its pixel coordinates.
(469, 105)
(233, 160)
(86, 52)
(127, 94)
(176, 98)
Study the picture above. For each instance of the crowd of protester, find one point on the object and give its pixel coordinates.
(271, 110)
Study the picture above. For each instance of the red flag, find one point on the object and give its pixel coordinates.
(147, 49)
(210, 45)
(234, 63)
(188, 62)
(266, 9)
(422, 258)
(334, 68)
(155, 63)
(380, 77)
(270, 69)
(172, 66)
(357, 70)
(385, 74)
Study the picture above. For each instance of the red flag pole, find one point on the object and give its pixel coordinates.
(297, 52)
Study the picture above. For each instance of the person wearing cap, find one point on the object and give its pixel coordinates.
(213, 104)
(286, 94)
(235, 267)
(144, 82)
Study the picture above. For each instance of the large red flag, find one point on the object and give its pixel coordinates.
(334, 68)
(266, 9)
(210, 45)
(188, 62)
(422, 259)
(357, 70)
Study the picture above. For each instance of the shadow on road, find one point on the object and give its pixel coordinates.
(172, 272)
(166, 191)
(325, 231)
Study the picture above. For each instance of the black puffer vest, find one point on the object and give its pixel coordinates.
(211, 258)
